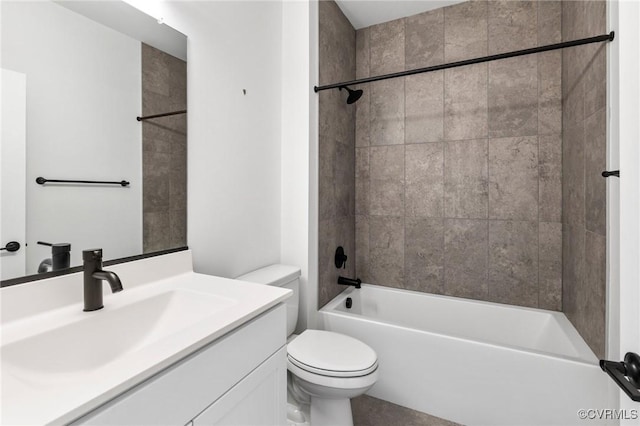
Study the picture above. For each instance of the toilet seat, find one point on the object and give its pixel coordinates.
(331, 373)
(345, 384)
(331, 354)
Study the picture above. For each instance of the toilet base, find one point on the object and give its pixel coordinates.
(331, 412)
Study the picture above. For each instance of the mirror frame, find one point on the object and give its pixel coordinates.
(51, 274)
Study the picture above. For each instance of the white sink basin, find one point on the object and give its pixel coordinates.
(58, 363)
(105, 336)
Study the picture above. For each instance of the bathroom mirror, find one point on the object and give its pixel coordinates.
(76, 75)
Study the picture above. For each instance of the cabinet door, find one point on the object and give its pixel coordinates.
(185, 389)
(260, 399)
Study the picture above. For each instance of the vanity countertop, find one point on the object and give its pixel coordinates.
(61, 363)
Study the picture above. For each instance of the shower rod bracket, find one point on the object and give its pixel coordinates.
(597, 39)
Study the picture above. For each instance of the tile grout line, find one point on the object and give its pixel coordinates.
(368, 52)
(538, 140)
(404, 157)
(444, 163)
(488, 174)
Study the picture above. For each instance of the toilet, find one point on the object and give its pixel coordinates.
(326, 369)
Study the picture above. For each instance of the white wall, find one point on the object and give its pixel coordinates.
(297, 130)
(234, 173)
(252, 159)
(83, 94)
(624, 197)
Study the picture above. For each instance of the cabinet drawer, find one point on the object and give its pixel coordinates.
(260, 399)
(178, 394)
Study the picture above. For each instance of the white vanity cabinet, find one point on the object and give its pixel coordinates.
(260, 399)
(238, 379)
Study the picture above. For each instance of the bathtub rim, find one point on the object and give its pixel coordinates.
(586, 355)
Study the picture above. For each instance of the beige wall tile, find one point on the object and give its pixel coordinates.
(512, 25)
(593, 308)
(466, 258)
(513, 97)
(465, 102)
(549, 22)
(466, 192)
(550, 178)
(387, 180)
(595, 81)
(178, 228)
(573, 271)
(595, 187)
(362, 181)
(362, 70)
(511, 109)
(573, 175)
(465, 31)
(362, 248)
(362, 53)
(424, 180)
(550, 93)
(386, 250)
(152, 222)
(424, 254)
(387, 47)
(337, 156)
(550, 286)
(583, 158)
(513, 178)
(164, 149)
(337, 41)
(363, 118)
(424, 107)
(513, 262)
(424, 39)
(387, 112)
(550, 255)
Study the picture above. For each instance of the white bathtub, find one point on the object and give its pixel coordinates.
(472, 362)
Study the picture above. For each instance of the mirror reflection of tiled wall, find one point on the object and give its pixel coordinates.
(164, 146)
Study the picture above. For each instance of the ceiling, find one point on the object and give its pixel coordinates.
(363, 13)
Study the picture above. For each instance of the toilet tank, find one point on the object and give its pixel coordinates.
(281, 276)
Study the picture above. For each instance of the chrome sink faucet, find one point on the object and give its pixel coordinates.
(93, 277)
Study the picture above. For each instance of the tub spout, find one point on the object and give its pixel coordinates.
(350, 281)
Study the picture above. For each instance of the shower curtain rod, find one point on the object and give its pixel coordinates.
(596, 39)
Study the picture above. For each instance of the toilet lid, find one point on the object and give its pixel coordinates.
(331, 354)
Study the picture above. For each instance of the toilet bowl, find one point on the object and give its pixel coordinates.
(331, 368)
(326, 369)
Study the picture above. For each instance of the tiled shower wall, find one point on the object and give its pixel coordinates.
(336, 150)
(164, 151)
(584, 158)
(458, 172)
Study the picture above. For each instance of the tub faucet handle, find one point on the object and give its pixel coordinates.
(340, 258)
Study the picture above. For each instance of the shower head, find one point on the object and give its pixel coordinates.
(354, 95)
